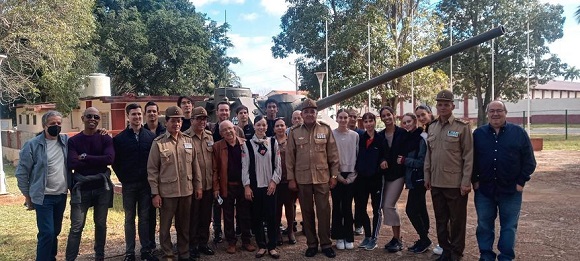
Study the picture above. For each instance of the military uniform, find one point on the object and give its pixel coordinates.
(174, 174)
(448, 167)
(199, 226)
(311, 161)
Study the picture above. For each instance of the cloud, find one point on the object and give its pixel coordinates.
(274, 7)
(200, 3)
(249, 17)
(260, 71)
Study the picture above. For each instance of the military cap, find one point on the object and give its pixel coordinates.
(198, 112)
(174, 112)
(309, 103)
(444, 95)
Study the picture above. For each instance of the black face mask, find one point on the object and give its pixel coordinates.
(54, 130)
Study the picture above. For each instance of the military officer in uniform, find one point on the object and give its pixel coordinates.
(174, 175)
(312, 164)
(199, 223)
(448, 169)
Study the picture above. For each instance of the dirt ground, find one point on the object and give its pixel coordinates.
(548, 228)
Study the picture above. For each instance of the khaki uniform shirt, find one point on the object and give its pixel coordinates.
(172, 167)
(449, 159)
(203, 145)
(311, 154)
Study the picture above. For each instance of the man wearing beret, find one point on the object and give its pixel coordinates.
(312, 164)
(448, 167)
(174, 175)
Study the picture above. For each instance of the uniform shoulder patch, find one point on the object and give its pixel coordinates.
(295, 126)
(186, 134)
(462, 121)
(323, 124)
(208, 132)
(159, 137)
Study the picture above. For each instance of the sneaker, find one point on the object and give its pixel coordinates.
(372, 244)
(395, 245)
(364, 242)
(422, 246)
(412, 248)
(129, 257)
(437, 250)
(349, 245)
(340, 244)
(359, 231)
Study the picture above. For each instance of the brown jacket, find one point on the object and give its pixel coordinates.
(311, 154)
(172, 167)
(204, 148)
(220, 168)
(449, 159)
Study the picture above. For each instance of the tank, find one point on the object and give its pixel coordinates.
(288, 103)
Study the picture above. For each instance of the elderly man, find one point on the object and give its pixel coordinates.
(227, 184)
(448, 168)
(89, 155)
(132, 147)
(504, 161)
(199, 223)
(174, 174)
(312, 163)
(42, 176)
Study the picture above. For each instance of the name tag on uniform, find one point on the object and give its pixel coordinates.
(453, 133)
(320, 136)
(188, 145)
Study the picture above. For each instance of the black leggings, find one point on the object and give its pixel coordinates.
(417, 211)
(365, 186)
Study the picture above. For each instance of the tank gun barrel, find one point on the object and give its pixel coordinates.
(411, 67)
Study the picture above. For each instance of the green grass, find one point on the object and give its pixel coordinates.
(559, 125)
(558, 142)
(18, 236)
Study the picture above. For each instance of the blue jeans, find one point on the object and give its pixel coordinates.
(49, 221)
(99, 199)
(137, 196)
(487, 209)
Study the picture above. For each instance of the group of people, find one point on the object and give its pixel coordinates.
(191, 172)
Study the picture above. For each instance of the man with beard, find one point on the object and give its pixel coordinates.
(152, 113)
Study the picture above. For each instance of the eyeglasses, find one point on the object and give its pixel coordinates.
(93, 116)
(495, 111)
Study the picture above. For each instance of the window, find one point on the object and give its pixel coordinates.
(20, 119)
(104, 120)
(27, 119)
(33, 119)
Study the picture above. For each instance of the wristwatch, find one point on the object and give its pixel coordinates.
(83, 156)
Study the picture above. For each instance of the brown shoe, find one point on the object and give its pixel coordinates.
(249, 247)
(231, 249)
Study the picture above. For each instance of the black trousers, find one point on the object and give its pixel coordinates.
(365, 187)
(235, 204)
(417, 211)
(264, 210)
(342, 219)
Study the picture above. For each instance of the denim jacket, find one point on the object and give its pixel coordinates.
(33, 167)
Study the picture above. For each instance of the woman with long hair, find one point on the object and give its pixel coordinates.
(261, 172)
(412, 158)
(286, 198)
(371, 162)
(393, 178)
(424, 118)
(342, 193)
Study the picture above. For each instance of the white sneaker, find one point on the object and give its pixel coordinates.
(340, 244)
(349, 245)
(437, 250)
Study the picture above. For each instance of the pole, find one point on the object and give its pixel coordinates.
(2, 174)
(492, 70)
(451, 57)
(566, 123)
(528, 70)
(412, 58)
(296, 76)
(326, 43)
(369, 62)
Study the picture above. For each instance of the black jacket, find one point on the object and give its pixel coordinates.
(131, 155)
(369, 159)
(394, 171)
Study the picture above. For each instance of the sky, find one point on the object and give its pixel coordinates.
(254, 23)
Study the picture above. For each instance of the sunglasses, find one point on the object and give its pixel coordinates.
(93, 116)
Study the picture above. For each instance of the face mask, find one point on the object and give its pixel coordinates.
(54, 130)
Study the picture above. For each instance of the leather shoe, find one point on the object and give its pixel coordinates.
(311, 251)
(328, 252)
(148, 256)
(231, 249)
(194, 252)
(206, 250)
(249, 247)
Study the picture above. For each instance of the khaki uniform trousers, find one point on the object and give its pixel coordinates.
(310, 195)
(180, 208)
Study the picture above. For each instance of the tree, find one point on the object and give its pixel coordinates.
(472, 68)
(577, 14)
(571, 73)
(303, 33)
(46, 43)
(161, 47)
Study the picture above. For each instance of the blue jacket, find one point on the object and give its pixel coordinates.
(131, 156)
(33, 167)
(502, 161)
(369, 159)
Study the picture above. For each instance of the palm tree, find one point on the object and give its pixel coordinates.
(572, 73)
